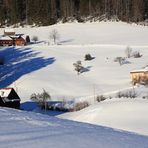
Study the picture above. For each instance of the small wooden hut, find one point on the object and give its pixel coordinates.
(9, 98)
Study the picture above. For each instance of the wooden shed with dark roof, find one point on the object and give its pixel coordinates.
(9, 98)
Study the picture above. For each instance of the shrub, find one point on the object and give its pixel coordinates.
(80, 105)
(100, 98)
(78, 67)
(88, 57)
(127, 94)
(137, 55)
(120, 60)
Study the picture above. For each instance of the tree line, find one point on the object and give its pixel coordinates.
(47, 12)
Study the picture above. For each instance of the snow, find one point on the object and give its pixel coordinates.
(26, 129)
(5, 92)
(43, 65)
(55, 73)
(5, 38)
(126, 114)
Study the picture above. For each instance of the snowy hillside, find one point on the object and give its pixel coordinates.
(31, 130)
(37, 66)
(125, 114)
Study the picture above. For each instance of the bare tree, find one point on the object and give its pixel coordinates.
(35, 39)
(41, 99)
(54, 35)
(128, 51)
(78, 67)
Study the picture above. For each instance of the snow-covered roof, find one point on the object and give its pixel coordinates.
(5, 38)
(9, 30)
(5, 92)
(141, 70)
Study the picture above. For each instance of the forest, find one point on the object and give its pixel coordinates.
(48, 12)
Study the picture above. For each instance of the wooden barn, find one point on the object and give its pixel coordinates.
(9, 98)
(140, 76)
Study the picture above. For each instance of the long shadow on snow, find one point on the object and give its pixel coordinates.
(18, 62)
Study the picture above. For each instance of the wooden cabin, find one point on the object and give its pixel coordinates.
(139, 76)
(12, 41)
(6, 41)
(9, 98)
(20, 41)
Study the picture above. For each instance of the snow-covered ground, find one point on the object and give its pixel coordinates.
(19, 129)
(126, 114)
(35, 67)
(39, 66)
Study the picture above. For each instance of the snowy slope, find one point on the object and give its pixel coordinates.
(117, 33)
(34, 67)
(30, 130)
(126, 114)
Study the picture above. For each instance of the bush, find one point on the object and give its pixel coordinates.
(137, 55)
(88, 57)
(78, 67)
(120, 60)
(128, 94)
(100, 98)
(80, 105)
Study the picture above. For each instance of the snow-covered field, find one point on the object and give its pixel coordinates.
(126, 114)
(51, 67)
(35, 67)
(19, 129)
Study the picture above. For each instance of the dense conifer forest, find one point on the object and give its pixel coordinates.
(47, 12)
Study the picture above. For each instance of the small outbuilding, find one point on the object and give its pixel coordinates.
(9, 98)
(140, 76)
